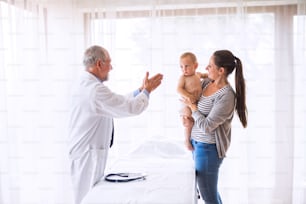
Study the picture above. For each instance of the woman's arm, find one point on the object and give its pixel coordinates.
(223, 109)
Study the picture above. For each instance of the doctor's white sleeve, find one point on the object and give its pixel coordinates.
(115, 105)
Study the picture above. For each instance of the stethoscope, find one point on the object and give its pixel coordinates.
(124, 177)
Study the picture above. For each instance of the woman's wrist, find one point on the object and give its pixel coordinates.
(194, 107)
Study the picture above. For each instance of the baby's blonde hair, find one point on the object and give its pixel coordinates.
(191, 55)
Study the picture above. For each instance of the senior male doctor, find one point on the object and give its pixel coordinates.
(93, 108)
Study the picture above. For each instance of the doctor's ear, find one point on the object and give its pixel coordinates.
(99, 64)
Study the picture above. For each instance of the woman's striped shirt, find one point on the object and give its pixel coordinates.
(205, 105)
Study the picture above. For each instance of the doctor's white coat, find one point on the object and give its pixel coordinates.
(90, 128)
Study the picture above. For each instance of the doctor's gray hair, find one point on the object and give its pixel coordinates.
(93, 54)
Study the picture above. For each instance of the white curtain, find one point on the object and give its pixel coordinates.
(41, 47)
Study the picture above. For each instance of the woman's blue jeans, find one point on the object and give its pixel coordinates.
(207, 165)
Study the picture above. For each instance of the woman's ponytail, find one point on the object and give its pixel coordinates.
(225, 59)
(240, 93)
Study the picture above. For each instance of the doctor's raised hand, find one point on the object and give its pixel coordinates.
(152, 83)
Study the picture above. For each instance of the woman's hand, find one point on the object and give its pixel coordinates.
(188, 145)
(192, 98)
(192, 105)
(187, 121)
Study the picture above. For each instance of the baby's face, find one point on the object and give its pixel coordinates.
(187, 66)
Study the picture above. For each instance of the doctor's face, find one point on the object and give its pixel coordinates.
(106, 67)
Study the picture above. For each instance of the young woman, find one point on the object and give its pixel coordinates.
(213, 114)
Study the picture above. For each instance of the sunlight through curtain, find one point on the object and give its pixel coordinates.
(39, 53)
(41, 47)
